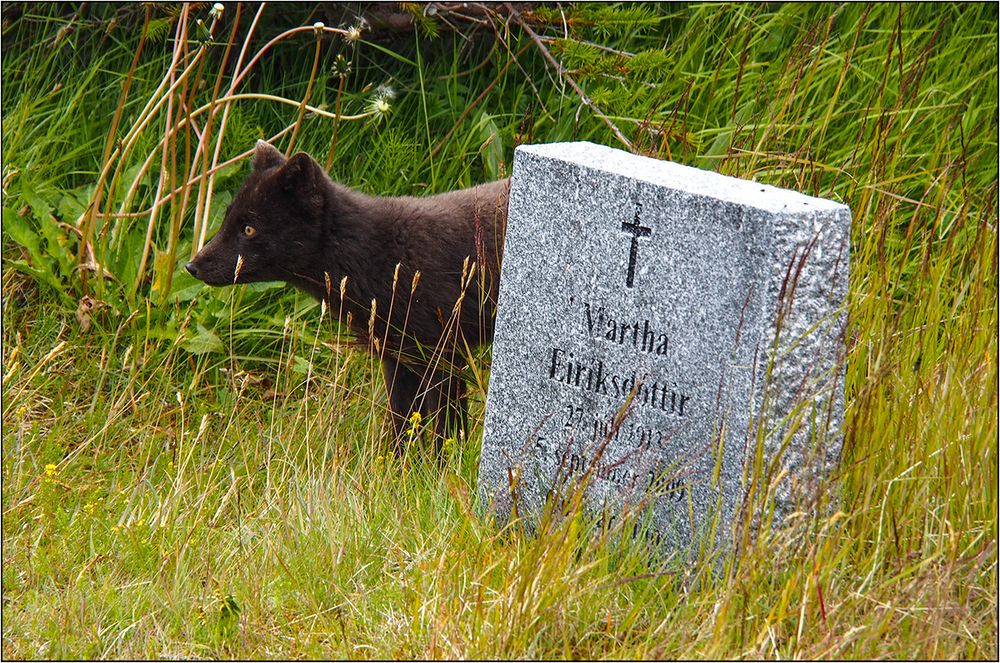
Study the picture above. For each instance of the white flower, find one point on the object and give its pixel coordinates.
(354, 32)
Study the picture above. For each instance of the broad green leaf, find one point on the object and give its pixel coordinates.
(20, 231)
(40, 207)
(300, 366)
(186, 293)
(202, 341)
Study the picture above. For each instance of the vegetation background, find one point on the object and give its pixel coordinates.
(190, 472)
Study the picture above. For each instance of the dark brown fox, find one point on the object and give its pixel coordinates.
(429, 267)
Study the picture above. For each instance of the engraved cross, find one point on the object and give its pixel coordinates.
(636, 231)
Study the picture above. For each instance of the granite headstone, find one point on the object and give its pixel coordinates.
(656, 324)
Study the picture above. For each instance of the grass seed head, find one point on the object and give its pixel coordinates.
(239, 268)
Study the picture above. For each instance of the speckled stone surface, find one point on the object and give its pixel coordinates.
(639, 305)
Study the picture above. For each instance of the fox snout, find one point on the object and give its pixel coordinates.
(214, 265)
(201, 273)
(206, 273)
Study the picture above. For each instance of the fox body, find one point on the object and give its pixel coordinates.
(428, 267)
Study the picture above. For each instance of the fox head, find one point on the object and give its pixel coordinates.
(274, 229)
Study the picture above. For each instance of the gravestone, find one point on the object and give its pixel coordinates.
(656, 323)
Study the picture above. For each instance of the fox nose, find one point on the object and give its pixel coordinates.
(192, 269)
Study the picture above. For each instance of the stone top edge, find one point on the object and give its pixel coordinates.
(680, 177)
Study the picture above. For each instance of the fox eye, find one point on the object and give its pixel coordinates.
(249, 231)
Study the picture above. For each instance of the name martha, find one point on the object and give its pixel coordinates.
(593, 376)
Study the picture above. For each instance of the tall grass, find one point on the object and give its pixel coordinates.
(197, 472)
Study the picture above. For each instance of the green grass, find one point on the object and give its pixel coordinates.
(197, 472)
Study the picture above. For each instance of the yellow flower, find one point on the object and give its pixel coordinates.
(51, 470)
(415, 421)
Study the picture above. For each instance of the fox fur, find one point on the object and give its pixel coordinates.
(428, 267)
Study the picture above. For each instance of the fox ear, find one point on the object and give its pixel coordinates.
(266, 156)
(299, 173)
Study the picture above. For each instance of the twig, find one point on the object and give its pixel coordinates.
(569, 79)
(592, 44)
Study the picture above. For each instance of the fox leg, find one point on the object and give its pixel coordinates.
(447, 403)
(403, 386)
(434, 394)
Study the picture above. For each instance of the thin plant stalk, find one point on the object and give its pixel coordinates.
(126, 87)
(238, 76)
(186, 99)
(124, 146)
(336, 122)
(201, 216)
(118, 158)
(202, 144)
(181, 39)
(309, 87)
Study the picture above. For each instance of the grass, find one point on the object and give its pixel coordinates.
(196, 472)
